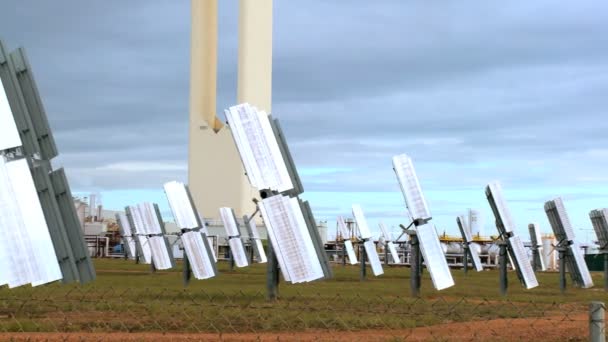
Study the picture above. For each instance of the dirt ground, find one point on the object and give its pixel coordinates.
(573, 328)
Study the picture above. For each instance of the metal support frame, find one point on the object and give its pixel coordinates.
(272, 275)
(465, 258)
(605, 270)
(502, 267)
(535, 257)
(563, 254)
(415, 264)
(363, 260)
(386, 254)
(343, 253)
(186, 270)
(230, 259)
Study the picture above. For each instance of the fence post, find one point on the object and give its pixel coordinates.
(597, 325)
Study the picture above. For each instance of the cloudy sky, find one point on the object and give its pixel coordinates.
(474, 91)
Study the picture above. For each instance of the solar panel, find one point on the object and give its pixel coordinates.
(578, 267)
(520, 257)
(9, 135)
(141, 240)
(258, 147)
(364, 231)
(44, 265)
(560, 222)
(434, 258)
(500, 208)
(372, 256)
(389, 244)
(162, 255)
(126, 234)
(234, 237)
(537, 243)
(291, 239)
(256, 241)
(475, 221)
(600, 225)
(182, 205)
(348, 245)
(368, 244)
(199, 255)
(467, 239)
(410, 187)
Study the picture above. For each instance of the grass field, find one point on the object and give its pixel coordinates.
(127, 298)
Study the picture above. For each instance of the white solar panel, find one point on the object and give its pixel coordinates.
(151, 224)
(389, 244)
(504, 214)
(138, 222)
(161, 253)
(9, 135)
(291, 239)
(464, 229)
(342, 228)
(364, 231)
(600, 225)
(372, 256)
(565, 220)
(582, 271)
(43, 265)
(434, 258)
(258, 148)
(127, 235)
(257, 245)
(393, 251)
(229, 221)
(144, 249)
(234, 237)
(350, 251)
(181, 206)
(199, 257)
(535, 235)
(410, 187)
(475, 260)
(520, 257)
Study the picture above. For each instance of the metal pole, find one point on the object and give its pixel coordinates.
(152, 267)
(605, 271)
(386, 254)
(535, 258)
(465, 260)
(344, 254)
(362, 257)
(502, 265)
(597, 323)
(272, 275)
(230, 259)
(186, 272)
(562, 270)
(415, 265)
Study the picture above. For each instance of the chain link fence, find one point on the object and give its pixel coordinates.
(162, 314)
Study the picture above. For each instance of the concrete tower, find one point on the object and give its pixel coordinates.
(215, 172)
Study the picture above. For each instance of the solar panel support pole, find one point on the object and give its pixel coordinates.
(597, 323)
(465, 258)
(562, 268)
(415, 264)
(272, 275)
(502, 267)
(535, 257)
(386, 254)
(605, 270)
(344, 253)
(362, 257)
(187, 270)
(230, 260)
(152, 267)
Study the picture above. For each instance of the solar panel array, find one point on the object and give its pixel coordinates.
(38, 210)
(389, 243)
(150, 231)
(348, 245)
(467, 239)
(234, 237)
(126, 233)
(562, 228)
(418, 210)
(506, 226)
(537, 244)
(599, 219)
(291, 226)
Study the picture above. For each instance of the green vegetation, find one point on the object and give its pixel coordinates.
(127, 297)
